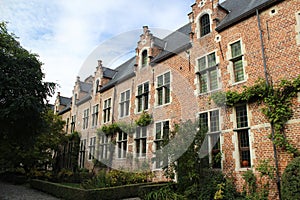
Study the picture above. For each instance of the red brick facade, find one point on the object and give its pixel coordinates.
(280, 29)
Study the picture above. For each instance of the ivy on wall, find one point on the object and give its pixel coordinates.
(278, 105)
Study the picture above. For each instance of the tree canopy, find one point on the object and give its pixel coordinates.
(23, 95)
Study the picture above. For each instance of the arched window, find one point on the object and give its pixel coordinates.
(144, 58)
(204, 25)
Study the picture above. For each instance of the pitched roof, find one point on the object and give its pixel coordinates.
(241, 9)
(176, 42)
(65, 100)
(108, 73)
(123, 72)
(85, 87)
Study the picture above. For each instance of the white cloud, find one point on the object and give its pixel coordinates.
(65, 32)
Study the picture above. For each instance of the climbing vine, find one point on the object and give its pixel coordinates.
(278, 101)
(144, 120)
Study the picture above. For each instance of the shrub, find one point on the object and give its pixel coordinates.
(291, 180)
(167, 192)
(115, 178)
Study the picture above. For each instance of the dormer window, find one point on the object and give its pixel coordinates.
(204, 25)
(144, 58)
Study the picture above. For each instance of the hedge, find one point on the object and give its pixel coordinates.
(291, 180)
(111, 193)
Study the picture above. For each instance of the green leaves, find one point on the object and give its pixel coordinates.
(278, 102)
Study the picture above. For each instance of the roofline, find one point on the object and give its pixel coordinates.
(105, 88)
(64, 110)
(85, 99)
(247, 14)
(170, 54)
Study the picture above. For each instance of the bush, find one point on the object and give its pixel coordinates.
(163, 192)
(291, 180)
(115, 178)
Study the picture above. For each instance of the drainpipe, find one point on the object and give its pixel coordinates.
(272, 125)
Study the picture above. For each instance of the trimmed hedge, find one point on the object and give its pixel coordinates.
(291, 180)
(111, 193)
(16, 179)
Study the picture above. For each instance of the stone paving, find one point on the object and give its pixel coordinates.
(22, 192)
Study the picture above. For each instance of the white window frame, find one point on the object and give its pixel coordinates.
(124, 105)
(92, 148)
(142, 97)
(122, 143)
(158, 141)
(207, 71)
(107, 110)
(140, 141)
(211, 134)
(164, 87)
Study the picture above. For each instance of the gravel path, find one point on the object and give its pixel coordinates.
(21, 192)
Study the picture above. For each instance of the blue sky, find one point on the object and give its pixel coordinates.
(69, 35)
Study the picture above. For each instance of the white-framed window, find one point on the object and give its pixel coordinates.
(237, 61)
(242, 129)
(144, 58)
(204, 23)
(92, 148)
(124, 103)
(210, 122)
(140, 141)
(163, 89)
(162, 130)
(208, 73)
(106, 110)
(142, 97)
(95, 115)
(82, 150)
(85, 118)
(122, 144)
(104, 147)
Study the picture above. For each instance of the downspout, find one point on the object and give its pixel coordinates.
(272, 125)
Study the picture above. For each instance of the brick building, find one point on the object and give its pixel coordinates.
(224, 47)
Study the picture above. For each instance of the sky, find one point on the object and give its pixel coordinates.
(71, 35)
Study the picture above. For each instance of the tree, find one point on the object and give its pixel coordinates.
(23, 96)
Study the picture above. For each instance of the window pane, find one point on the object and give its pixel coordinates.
(160, 96)
(160, 81)
(146, 87)
(140, 89)
(158, 131)
(238, 70)
(202, 63)
(203, 83)
(236, 49)
(144, 146)
(167, 78)
(204, 25)
(214, 121)
(140, 103)
(127, 95)
(203, 121)
(213, 80)
(167, 94)
(241, 116)
(211, 59)
(243, 138)
(146, 101)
